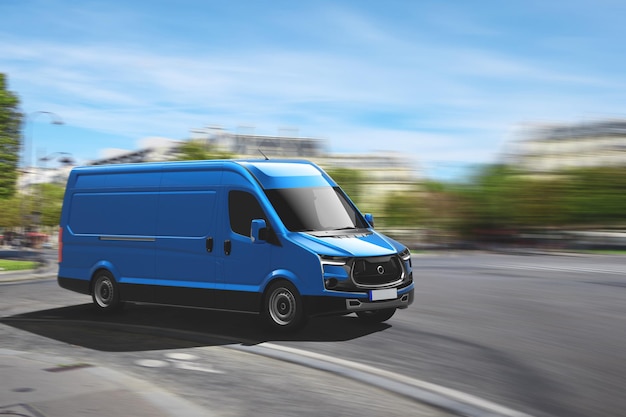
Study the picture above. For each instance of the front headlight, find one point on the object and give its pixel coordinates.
(333, 260)
(336, 272)
(405, 255)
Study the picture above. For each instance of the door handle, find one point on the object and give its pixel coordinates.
(227, 247)
(209, 244)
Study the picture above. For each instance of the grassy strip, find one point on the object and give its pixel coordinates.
(606, 252)
(11, 265)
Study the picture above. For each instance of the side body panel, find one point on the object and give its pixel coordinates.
(149, 224)
(109, 220)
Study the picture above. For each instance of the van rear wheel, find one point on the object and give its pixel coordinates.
(376, 316)
(105, 293)
(283, 308)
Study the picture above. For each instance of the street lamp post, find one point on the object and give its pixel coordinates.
(28, 153)
(55, 119)
(65, 158)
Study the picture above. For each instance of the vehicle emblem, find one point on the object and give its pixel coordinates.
(380, 269)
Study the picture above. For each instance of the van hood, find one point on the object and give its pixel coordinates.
(366, 244)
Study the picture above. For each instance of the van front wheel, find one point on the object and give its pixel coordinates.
(376, 316)
(283, 309)
(105, 294)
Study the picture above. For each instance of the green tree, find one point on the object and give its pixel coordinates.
(487, 199)
(429, 205)
(350, 181)
(595, 196)
(403, 210)
(196, 150)
(51, 201)
(10, 212)
(10, 138)
(538, 202)
(500, 198)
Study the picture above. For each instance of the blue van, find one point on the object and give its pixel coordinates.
(272, 237)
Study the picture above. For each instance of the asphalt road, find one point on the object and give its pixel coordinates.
(540, 334)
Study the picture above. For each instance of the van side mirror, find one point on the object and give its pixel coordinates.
(258, 231)
(369, 217)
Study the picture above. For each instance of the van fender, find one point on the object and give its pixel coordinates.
(104, 265)
(286, 275)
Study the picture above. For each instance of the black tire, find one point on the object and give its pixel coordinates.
(105, 292)
(283, 309)
(376, 316)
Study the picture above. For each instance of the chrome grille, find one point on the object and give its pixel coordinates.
(377, 271)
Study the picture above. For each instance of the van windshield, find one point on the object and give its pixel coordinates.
(315, 209)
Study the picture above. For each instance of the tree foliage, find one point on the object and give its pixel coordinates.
(595, 196)
(11, 209)
(499, 197)
(429, 204)
(350, 181)
(10, 139)
(488, 199)
(196, 150)
(403, 210)
(50, 202)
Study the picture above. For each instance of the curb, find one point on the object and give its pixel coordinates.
(25, 276)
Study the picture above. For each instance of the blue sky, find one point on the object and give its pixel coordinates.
(446, 83)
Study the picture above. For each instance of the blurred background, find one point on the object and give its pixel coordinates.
(456, 125)
(558, 188)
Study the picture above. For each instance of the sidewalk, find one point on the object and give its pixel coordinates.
(36, 385)
(28, 274)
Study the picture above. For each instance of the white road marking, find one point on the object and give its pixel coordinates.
(180, 356)
(178, 360)
(151, 363)
(580, 270)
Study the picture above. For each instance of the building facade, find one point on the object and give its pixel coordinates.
(553, 148)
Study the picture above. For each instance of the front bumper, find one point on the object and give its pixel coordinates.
(325, 305)
(355, 304)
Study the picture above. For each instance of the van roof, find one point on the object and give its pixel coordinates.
(270, 174)
(286, 173)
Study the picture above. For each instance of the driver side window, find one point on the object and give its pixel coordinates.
(243, 207)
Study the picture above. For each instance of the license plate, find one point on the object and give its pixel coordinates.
(390, 294)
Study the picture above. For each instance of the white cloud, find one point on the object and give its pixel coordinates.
(359, 81)
(154, 142)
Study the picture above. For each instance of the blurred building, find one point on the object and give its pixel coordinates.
(31, 176)
(163, 152)
(551, 148)
(383, 174)
(245, 145)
